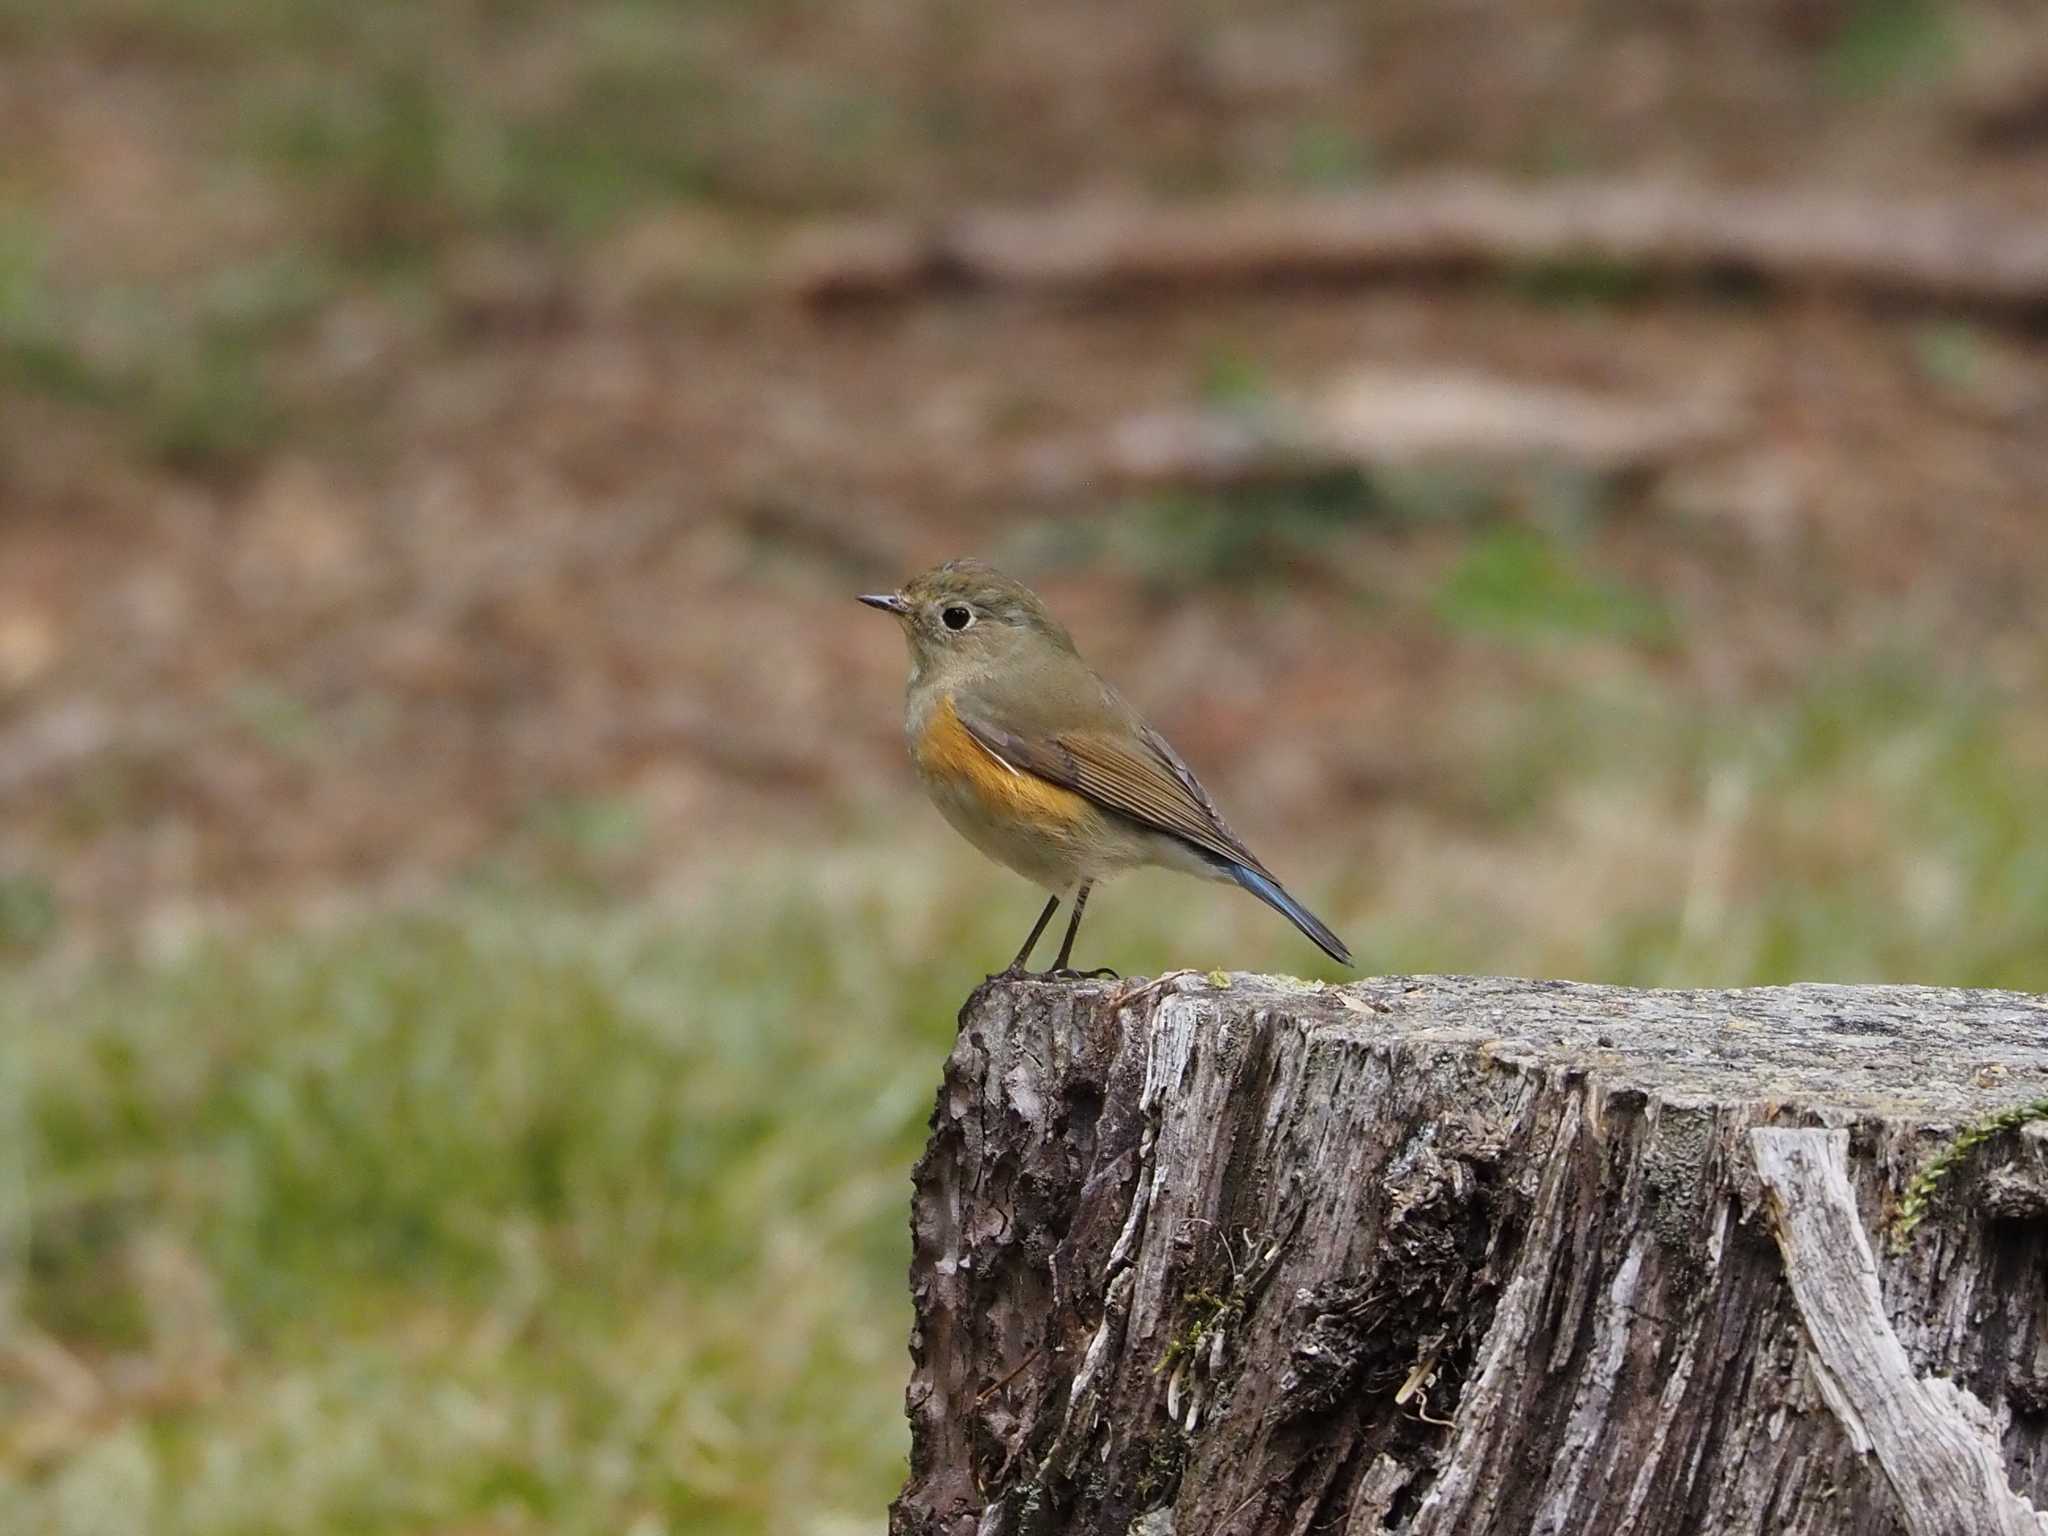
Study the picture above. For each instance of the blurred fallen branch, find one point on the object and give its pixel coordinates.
(1931, 250)
(2013, 119)
(1388, 418)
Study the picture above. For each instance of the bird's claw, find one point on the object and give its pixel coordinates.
(1058, 973)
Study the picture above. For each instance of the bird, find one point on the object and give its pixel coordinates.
(1043, 766)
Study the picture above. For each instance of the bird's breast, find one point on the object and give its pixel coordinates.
(950, 759)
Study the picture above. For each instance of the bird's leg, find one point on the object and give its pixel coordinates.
(1060, 968)
(1073, 927)
(1016, 966)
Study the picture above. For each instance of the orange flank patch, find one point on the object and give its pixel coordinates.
(946, 752)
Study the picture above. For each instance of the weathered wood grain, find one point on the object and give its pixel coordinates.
(1934, 1440)
(1437, 1255)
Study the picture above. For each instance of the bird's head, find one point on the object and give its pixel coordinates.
(965, 617)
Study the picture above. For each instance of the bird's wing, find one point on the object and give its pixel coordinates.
(1133, 772)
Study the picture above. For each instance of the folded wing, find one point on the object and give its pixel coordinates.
(1137, 776)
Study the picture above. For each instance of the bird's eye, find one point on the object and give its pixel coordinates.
(957, 617)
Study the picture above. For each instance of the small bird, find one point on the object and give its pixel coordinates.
(1042, 765)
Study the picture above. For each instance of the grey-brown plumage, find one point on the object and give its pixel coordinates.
(1041, 764)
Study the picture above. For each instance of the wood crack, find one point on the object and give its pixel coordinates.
(1936, 1442)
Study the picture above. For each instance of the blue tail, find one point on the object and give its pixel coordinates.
(1267, 889)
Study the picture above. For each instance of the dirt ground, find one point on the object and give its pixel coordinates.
(362, 531)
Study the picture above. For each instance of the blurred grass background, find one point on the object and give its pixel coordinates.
(520, 1214)
(473, 965)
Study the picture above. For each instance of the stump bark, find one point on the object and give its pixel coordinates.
(1434, 1255)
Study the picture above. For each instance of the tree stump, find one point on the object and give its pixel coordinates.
(1443, 1255)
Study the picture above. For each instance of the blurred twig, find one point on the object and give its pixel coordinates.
(1377, 417)
(1945, 251)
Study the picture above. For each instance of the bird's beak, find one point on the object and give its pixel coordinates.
(888, 602)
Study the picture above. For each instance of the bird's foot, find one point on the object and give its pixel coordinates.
(1058, 973)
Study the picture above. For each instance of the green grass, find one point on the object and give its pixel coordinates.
(35, 353)
(189, 381)
(535, 1219)
(1882, 45)
(28, 910)
(1519, 584)
(1261, 535)
(1883, 822)
(1328, 155)
(1255, 534)
(1583, 283)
